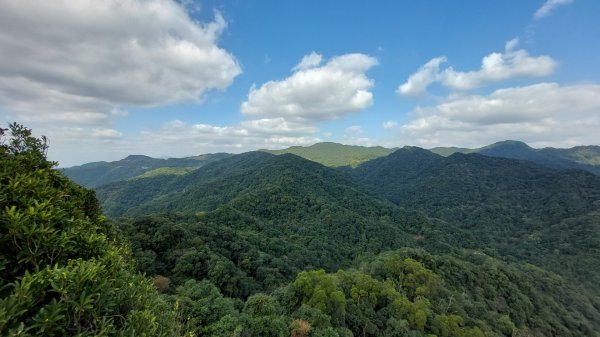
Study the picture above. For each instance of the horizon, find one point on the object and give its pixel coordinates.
(167, 78)
(335, 143)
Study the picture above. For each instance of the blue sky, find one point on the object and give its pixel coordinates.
(104, 79)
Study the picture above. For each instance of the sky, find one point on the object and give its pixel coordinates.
(103, 79)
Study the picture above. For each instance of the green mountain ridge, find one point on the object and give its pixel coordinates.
(329, 154)
(100, 173)
(579, 157)
(334, 154)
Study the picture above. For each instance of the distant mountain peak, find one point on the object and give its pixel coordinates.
(414, 150)
(509, 143)
(335, 154)
(137, 157)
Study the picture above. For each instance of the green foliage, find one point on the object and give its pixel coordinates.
(61, 273)
(203, 309)
(472, 295)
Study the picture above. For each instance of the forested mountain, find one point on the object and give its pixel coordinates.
(320, 214)
(101, 173)
(334, 154)
(253, 221)
(515, 208)
(579, 157)
(411, 244)
(329, 154)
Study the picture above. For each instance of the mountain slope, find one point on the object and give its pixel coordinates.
(285, 189)
(100, 173)
(514, 208)
(580, 157)
(334, 154)
(252, 222)
(323, 218)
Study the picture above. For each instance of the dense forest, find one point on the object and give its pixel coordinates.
(406, 244)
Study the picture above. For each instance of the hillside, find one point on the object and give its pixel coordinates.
(334, 154)
(253, 222)
(580, 157)
(514, 208)
(100, 173)
(323, 217)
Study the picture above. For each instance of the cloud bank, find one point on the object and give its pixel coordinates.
(494, 67)
(77, 62)
(541, 114)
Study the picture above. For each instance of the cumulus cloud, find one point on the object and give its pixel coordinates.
(500, 66)
(417, 83)
(542, 114)
(494, 67)
(315, 92)
(78, 61)
(549, 6)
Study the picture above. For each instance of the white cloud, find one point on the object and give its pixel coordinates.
(494, 67)
(418, 82)
(511, 44)
(309, 61)
(315, 93)
(76, 145)
(541, 114)
(76, 61)
(389, 125)
(106, 133)
(203, 138)
(497, 67)
(277, 126)
(175, 139)
(549, 6)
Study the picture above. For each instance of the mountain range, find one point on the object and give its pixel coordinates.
(403, 243)
(100, 173)
(578, 157)
(261, 219)
(329, 154)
